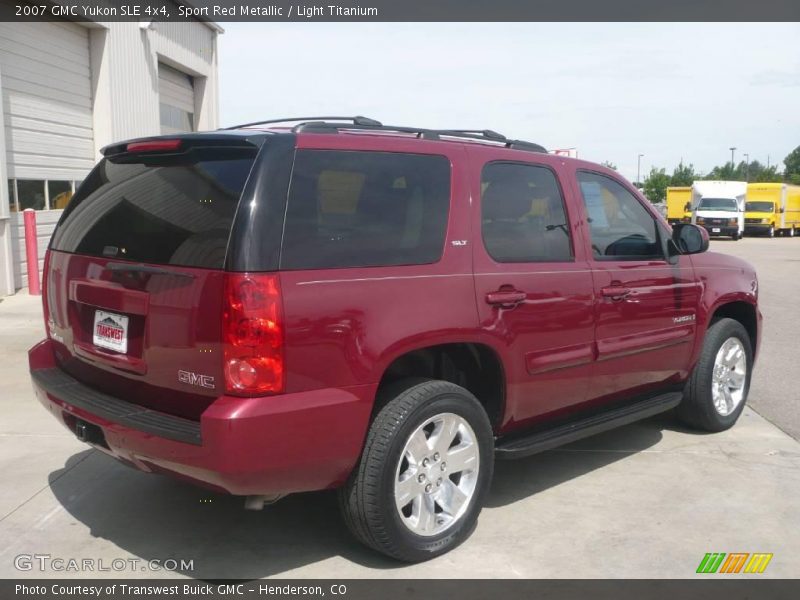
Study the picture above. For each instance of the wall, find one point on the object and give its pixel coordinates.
(123, 80)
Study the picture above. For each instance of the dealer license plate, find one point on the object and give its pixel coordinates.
(110, 331)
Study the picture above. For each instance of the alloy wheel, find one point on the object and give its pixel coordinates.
(437, 474)
(729, 376)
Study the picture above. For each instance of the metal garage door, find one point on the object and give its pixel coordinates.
(47, 105)
(176, 100)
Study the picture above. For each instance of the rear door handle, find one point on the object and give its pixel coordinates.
(616, 292)
(506, 298)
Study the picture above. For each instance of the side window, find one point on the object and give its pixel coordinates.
(365, 209)
(621, 228)
(522, 214)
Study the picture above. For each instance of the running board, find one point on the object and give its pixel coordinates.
(545, 439)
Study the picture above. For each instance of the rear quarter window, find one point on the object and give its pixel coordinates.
(171, 211)
(362, 209)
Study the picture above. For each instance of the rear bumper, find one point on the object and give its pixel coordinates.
(272, 445)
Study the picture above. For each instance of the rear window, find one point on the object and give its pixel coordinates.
(361, 209)
(169, 211)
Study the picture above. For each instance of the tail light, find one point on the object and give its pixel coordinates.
(45, 290)
(253, 334)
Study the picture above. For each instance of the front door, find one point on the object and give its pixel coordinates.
(534, 291)
(645, 306)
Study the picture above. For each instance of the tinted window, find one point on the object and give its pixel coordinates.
(177, 212)
(359, 209)
(522, 214)
(620, 226)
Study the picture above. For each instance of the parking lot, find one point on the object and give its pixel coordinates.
(645, 501)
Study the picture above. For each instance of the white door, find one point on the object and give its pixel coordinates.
(45, 79)
(176, 100)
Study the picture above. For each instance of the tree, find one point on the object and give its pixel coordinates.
(609, 164)
(656, 184)
(683, 175)
(792, 164)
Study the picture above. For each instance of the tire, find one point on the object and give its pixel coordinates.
(698, 409)
(771, 231)
(791, 232)
(736, 237)
(368, 500)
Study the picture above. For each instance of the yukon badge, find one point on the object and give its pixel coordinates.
(206, 381)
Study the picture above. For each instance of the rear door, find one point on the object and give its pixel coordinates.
(645, 306)
(135, 279)
(532, 282)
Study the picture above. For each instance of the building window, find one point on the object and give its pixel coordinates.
(31, 194)
(175, 120)
(59, 193)
(39, 194)
(12, 195)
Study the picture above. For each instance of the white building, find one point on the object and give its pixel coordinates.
(68, 89)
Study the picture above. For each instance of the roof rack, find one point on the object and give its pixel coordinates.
(357, 120)
(359, 123)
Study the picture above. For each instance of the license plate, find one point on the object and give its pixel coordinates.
(110, 331)
(715, 230)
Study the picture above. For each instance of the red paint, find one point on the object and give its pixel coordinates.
(31, 252)
(568, 334)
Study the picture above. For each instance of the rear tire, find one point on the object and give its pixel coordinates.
(716, 392)
(419, 488)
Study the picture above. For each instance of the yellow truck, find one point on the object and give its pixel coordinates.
(772, 209)
(679, 204)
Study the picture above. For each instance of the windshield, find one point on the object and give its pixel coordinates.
(726, 204)
(759, 206)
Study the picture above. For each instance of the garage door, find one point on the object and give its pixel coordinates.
(176, 100)
(47, 106)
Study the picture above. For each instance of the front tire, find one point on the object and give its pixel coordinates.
(716, 392)
(424, 472)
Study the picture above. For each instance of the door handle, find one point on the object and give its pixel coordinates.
(506, 298)
(616, 292)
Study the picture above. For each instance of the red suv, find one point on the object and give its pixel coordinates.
(384, 310)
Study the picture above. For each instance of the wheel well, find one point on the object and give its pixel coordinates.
(475, 367)
(743, 312)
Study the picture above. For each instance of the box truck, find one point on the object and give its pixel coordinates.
(679, 204)
(772, 209)
(719, 207)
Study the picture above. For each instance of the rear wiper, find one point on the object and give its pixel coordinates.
(141, 268)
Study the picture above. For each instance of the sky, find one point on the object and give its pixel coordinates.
(668, 91)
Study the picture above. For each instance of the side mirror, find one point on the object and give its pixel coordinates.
(689, 238)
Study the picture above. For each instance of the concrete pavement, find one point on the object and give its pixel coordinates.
(647, 500)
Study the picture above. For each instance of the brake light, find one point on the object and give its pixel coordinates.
(252, 332)
(154, 146)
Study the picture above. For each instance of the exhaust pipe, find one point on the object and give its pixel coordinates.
(259, 502)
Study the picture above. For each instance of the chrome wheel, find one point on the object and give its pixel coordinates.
(729, 376)
(437, 474)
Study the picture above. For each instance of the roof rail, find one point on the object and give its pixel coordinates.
(358, 123)
(357, 120)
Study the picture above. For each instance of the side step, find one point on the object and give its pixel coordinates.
(545, 439)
